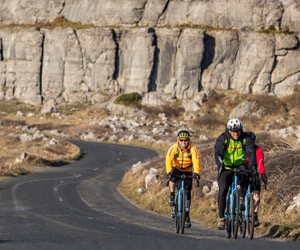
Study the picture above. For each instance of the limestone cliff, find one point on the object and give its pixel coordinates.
(174, 47)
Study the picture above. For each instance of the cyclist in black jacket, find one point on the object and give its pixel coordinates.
(231, 148)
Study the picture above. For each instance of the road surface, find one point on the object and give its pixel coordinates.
(78, 207)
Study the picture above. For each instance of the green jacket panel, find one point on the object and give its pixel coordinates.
(235, 154)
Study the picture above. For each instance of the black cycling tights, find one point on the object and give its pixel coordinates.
(225, 180)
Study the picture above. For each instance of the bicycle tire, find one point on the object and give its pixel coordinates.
(235, 217)
(245, 217)
(183, 211)
(176, 219)
(250, 221)
(227, 217)
(243, 228)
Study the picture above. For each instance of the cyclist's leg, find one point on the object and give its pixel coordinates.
(256, 197)
(172, 184)
(189, 200)
(244, 180)
(224, 182)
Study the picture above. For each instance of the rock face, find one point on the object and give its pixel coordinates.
(172, 47)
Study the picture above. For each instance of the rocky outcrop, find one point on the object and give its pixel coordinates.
(175, 48)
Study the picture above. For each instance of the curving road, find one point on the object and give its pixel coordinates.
(78, 206)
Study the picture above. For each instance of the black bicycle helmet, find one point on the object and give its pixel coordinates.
(183, 134)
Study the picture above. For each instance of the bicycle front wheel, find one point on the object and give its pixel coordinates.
(235, 214)
(227, 217)
(176, 217)
(250, 221)
(183, 211)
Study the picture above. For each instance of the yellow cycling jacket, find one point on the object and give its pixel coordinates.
(187, 160)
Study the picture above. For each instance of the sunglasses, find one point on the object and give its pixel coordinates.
(183, 140)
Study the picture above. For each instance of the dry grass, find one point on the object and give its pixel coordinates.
(169, 111)
(54, 155)
(35, 152)
(58, 22)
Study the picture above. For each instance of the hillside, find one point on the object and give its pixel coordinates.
(32, 141)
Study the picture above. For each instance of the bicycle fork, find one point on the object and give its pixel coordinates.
(234, 189)
(181, 209)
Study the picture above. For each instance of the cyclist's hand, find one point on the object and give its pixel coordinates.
(196, 176)
(264, 179)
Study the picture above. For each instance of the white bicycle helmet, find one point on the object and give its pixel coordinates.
(234, 125)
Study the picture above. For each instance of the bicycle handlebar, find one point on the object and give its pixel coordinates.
(183, 176)
(237, 170)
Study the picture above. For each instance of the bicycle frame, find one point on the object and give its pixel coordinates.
(181, 204)
(230, 197)
(179, 195)
(234, 189)
(232, 205)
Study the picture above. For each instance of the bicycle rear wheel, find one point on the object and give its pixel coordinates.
(183, 211)
(243, 228)
(235, 215)
(250, 221)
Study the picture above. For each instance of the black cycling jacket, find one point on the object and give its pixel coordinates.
(221, 147)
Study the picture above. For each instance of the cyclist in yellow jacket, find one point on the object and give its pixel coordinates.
(182, 158)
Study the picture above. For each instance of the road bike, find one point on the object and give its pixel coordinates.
(181, 205)
(248, 218)
(247, 222)
(233, 209)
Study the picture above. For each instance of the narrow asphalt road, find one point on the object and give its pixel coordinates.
(78, 206)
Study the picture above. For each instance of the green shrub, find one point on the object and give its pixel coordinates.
(131, 99)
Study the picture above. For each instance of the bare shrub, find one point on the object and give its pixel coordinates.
(85, 128)
(208, 121)
(293, 100)
(12, 123)
(283, 169)
(269, 143)
(214, 99)
(271, 104)
(170, 112)
(49, 126)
